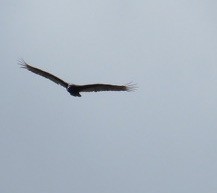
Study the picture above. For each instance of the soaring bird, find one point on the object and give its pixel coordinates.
(73, 89)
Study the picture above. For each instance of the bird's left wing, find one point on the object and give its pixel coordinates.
(43, 73)
(106, 87)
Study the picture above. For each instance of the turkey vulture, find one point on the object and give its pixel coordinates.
(76, 89)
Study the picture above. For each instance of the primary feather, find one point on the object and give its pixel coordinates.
(76, 89)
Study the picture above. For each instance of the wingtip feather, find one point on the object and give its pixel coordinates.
(131, 87)
(22, 63)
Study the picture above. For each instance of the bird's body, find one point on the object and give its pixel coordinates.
(73, 89)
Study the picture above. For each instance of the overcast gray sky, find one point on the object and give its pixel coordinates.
(160, 139)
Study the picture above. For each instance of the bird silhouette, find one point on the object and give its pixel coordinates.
(74, 89)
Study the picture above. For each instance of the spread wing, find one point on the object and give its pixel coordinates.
(42, 73)
(106, 87)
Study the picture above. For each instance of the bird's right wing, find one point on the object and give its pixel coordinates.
(43, 73)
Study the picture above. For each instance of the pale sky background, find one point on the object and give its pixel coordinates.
(160, 139)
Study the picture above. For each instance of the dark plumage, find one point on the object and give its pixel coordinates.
(76, 89)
